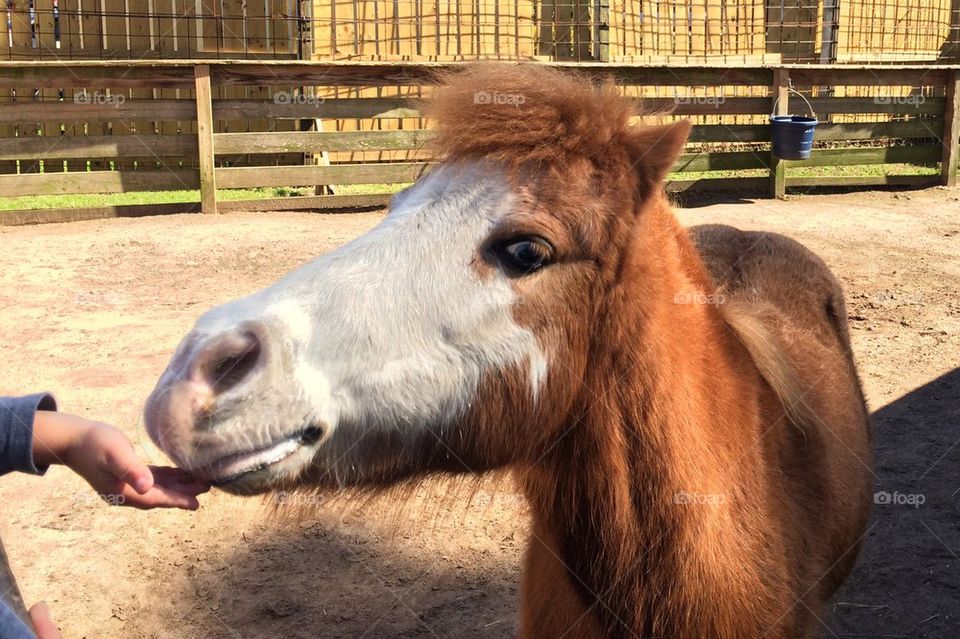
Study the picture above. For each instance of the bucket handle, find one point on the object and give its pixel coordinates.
(802, 97)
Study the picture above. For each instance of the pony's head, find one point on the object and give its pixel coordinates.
(454, 336)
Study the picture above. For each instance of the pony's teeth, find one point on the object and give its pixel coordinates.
(238, 464)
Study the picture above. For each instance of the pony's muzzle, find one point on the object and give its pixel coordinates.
(207, 376)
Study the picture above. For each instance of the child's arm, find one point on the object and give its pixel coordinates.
(16, 432)
(104, 457)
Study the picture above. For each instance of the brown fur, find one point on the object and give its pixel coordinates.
(648, 399)
(749, 405)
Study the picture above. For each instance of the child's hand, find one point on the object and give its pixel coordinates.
(104, 457)
(43, 624)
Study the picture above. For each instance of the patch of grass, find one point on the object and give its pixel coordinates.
(704, 175)
(862, 170)
(163, 197)
(368, 189)
(865, 170)
(96, 199)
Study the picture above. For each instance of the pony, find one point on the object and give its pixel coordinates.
(681, 409)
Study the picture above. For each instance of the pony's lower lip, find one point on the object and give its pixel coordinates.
(232, 467)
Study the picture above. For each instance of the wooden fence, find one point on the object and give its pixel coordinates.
(745, 32)
(920, 126)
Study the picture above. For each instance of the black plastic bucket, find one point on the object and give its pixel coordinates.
(792, 136)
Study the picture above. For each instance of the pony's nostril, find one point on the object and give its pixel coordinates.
(229, 360)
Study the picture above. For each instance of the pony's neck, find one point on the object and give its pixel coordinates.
(636, 497)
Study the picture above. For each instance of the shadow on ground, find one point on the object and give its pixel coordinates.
(907, 583)
(698, 199)
(332, 579)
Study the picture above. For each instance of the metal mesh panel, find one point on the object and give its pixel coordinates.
(581, 30)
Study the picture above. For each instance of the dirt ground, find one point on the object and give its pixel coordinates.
(93, 310)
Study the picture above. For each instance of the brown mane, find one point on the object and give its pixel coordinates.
(544, 116)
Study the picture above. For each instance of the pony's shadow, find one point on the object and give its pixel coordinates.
(326, 578)
(907, 582)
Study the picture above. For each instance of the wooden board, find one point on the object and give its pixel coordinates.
(925, 154)
(253, 177)
(82, 214)
(862, 180)
(716, 184)
(309, 202)
(316, 141)
(736, 160)
(160, 110)
(100, 146)
(97, 182)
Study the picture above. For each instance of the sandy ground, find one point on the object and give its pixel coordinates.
(93, 310)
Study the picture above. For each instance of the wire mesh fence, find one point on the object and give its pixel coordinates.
(774, 31)
(153, 29)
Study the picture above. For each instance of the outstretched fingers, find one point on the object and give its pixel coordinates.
(43, 624)
(122, 462)
(171, 488)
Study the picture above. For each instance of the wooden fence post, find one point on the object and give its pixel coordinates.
(951, 130)
(208, 182)
(602, 30)
(780, 95)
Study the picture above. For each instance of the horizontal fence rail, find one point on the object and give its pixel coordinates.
(870, 115)
(179, 73)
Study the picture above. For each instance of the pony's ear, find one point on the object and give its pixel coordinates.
(653, 151)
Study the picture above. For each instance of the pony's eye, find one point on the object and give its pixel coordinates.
(526, 255)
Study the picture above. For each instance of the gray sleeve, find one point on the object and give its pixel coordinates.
(11, 627)
(16, 431)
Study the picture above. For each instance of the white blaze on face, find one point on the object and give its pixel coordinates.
(397, 328)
